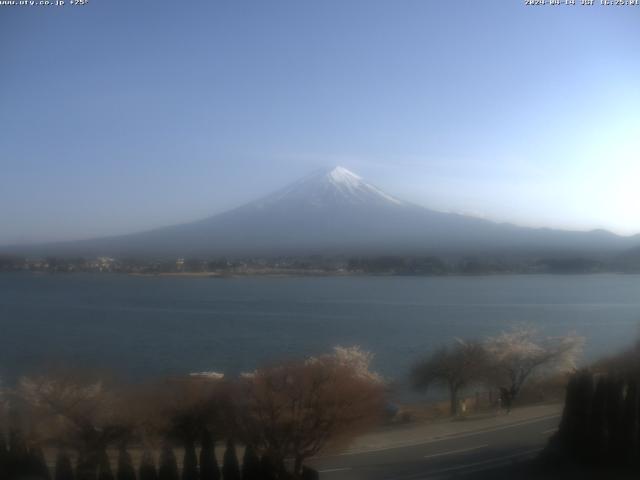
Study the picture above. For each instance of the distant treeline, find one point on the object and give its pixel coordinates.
(473, 265)
(369, 264)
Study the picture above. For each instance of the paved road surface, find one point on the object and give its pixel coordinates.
(492, 444)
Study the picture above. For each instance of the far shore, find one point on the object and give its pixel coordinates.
(251, 273)
(320, 273)
(323, 273)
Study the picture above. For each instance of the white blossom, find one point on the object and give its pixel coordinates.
(354, 357)
(211, 375)
(521, 353)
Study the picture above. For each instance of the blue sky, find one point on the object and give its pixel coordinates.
(120, 116)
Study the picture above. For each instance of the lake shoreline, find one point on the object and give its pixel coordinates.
(313, 274)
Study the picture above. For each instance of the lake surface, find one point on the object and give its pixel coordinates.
(148, 326)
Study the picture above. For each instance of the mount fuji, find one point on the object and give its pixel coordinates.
(336, 212)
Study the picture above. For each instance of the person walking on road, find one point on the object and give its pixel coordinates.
(505, 399)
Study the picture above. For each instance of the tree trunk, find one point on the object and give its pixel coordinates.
(453, 400)
(513, 392)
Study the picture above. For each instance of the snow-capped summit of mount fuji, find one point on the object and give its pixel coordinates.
(327, 188)
(342, 175)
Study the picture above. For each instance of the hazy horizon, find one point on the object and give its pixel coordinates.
(116, 123)
(320, 171)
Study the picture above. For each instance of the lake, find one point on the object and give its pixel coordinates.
(150, 326)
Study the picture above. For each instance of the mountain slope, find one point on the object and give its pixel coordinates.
(336, 211)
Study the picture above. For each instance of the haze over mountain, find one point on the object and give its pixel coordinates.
(336, 212)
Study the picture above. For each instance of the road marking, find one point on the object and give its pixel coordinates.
(329, 470)
(498, 460)
(551, 430)
(446, 437)
(491, 462)
(462, 450)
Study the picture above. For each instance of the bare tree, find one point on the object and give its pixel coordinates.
(518, 355)
(180, 409)
(454, 367)
(293, 411)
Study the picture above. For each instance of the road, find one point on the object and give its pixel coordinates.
(491, 445)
